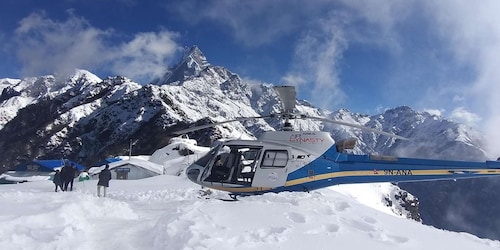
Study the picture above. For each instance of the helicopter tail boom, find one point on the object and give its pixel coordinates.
(368, 168)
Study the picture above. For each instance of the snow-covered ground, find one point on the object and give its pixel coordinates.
(167, 212)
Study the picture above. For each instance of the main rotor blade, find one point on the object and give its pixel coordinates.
(359, 126)
(215, 124)
(288, 97)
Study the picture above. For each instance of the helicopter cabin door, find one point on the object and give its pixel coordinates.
(272, 171)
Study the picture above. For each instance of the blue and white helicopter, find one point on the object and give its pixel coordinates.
(289, 160)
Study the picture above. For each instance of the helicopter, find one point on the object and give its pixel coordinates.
(289, 160)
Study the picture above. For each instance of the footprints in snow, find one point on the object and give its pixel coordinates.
(368, 225)
(326, 213)
(296, 217)
(331, 224)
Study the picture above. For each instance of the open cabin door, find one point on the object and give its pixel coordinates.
(234, 164)
(272, 171)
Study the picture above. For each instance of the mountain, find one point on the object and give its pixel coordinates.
(192, 64)
(461, 205)
(85, 118)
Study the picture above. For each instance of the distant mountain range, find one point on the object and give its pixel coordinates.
(86, 119)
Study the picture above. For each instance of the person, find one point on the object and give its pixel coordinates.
(218, 161)
(220, 171)
(74, 173)
(66, 176)
(57, 180)
(104, 177)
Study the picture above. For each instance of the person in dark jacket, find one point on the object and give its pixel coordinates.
(57, 180)
(66, 176)
(104, 177)
(74, 173)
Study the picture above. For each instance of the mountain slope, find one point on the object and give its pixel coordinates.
(87, 119)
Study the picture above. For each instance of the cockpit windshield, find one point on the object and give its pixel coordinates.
(203, 161)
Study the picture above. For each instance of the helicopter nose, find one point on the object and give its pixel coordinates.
(193, 172)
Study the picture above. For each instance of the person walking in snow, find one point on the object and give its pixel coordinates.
(57, 180)
(72, 175)
(66, 175)
(104, 177)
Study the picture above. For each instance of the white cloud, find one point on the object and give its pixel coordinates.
(464, 116)
(375, 23)
(472, 32)
(445, 54)
(145, 56)
(434, 112)
(46, 46)
(292, 79)
(316, 59)
(492, 126)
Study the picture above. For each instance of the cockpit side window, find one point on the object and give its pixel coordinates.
(275, 159)
(204, 160)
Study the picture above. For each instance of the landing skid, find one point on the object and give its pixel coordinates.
(230, 200)
(233, 196)
(207, 195)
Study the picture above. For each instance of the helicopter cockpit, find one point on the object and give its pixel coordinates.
(230, 163)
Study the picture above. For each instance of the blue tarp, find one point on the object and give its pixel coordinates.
(46, 165)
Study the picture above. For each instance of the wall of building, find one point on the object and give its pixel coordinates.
(128, 172)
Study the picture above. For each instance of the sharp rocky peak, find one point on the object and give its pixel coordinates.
(192, 64)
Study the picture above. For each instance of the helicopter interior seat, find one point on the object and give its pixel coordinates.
(246, 174)
(236, 168)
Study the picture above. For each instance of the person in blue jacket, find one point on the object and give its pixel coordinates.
(104, 177)
(57, 180)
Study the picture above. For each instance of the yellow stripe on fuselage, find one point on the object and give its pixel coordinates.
(358, 173)
(361, 173)
(241, 189)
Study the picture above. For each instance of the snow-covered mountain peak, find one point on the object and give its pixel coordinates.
(19, 93)
(80, 75)
(192, 64)
(195, 58)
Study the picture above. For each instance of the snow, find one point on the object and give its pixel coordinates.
(31, 89)
(168, 212)
(10, 107)
(374, 195)
(82, 73)
(10, 176)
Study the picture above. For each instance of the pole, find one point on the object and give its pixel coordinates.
(130, 149)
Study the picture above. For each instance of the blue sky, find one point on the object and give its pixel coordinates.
(365, 55)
